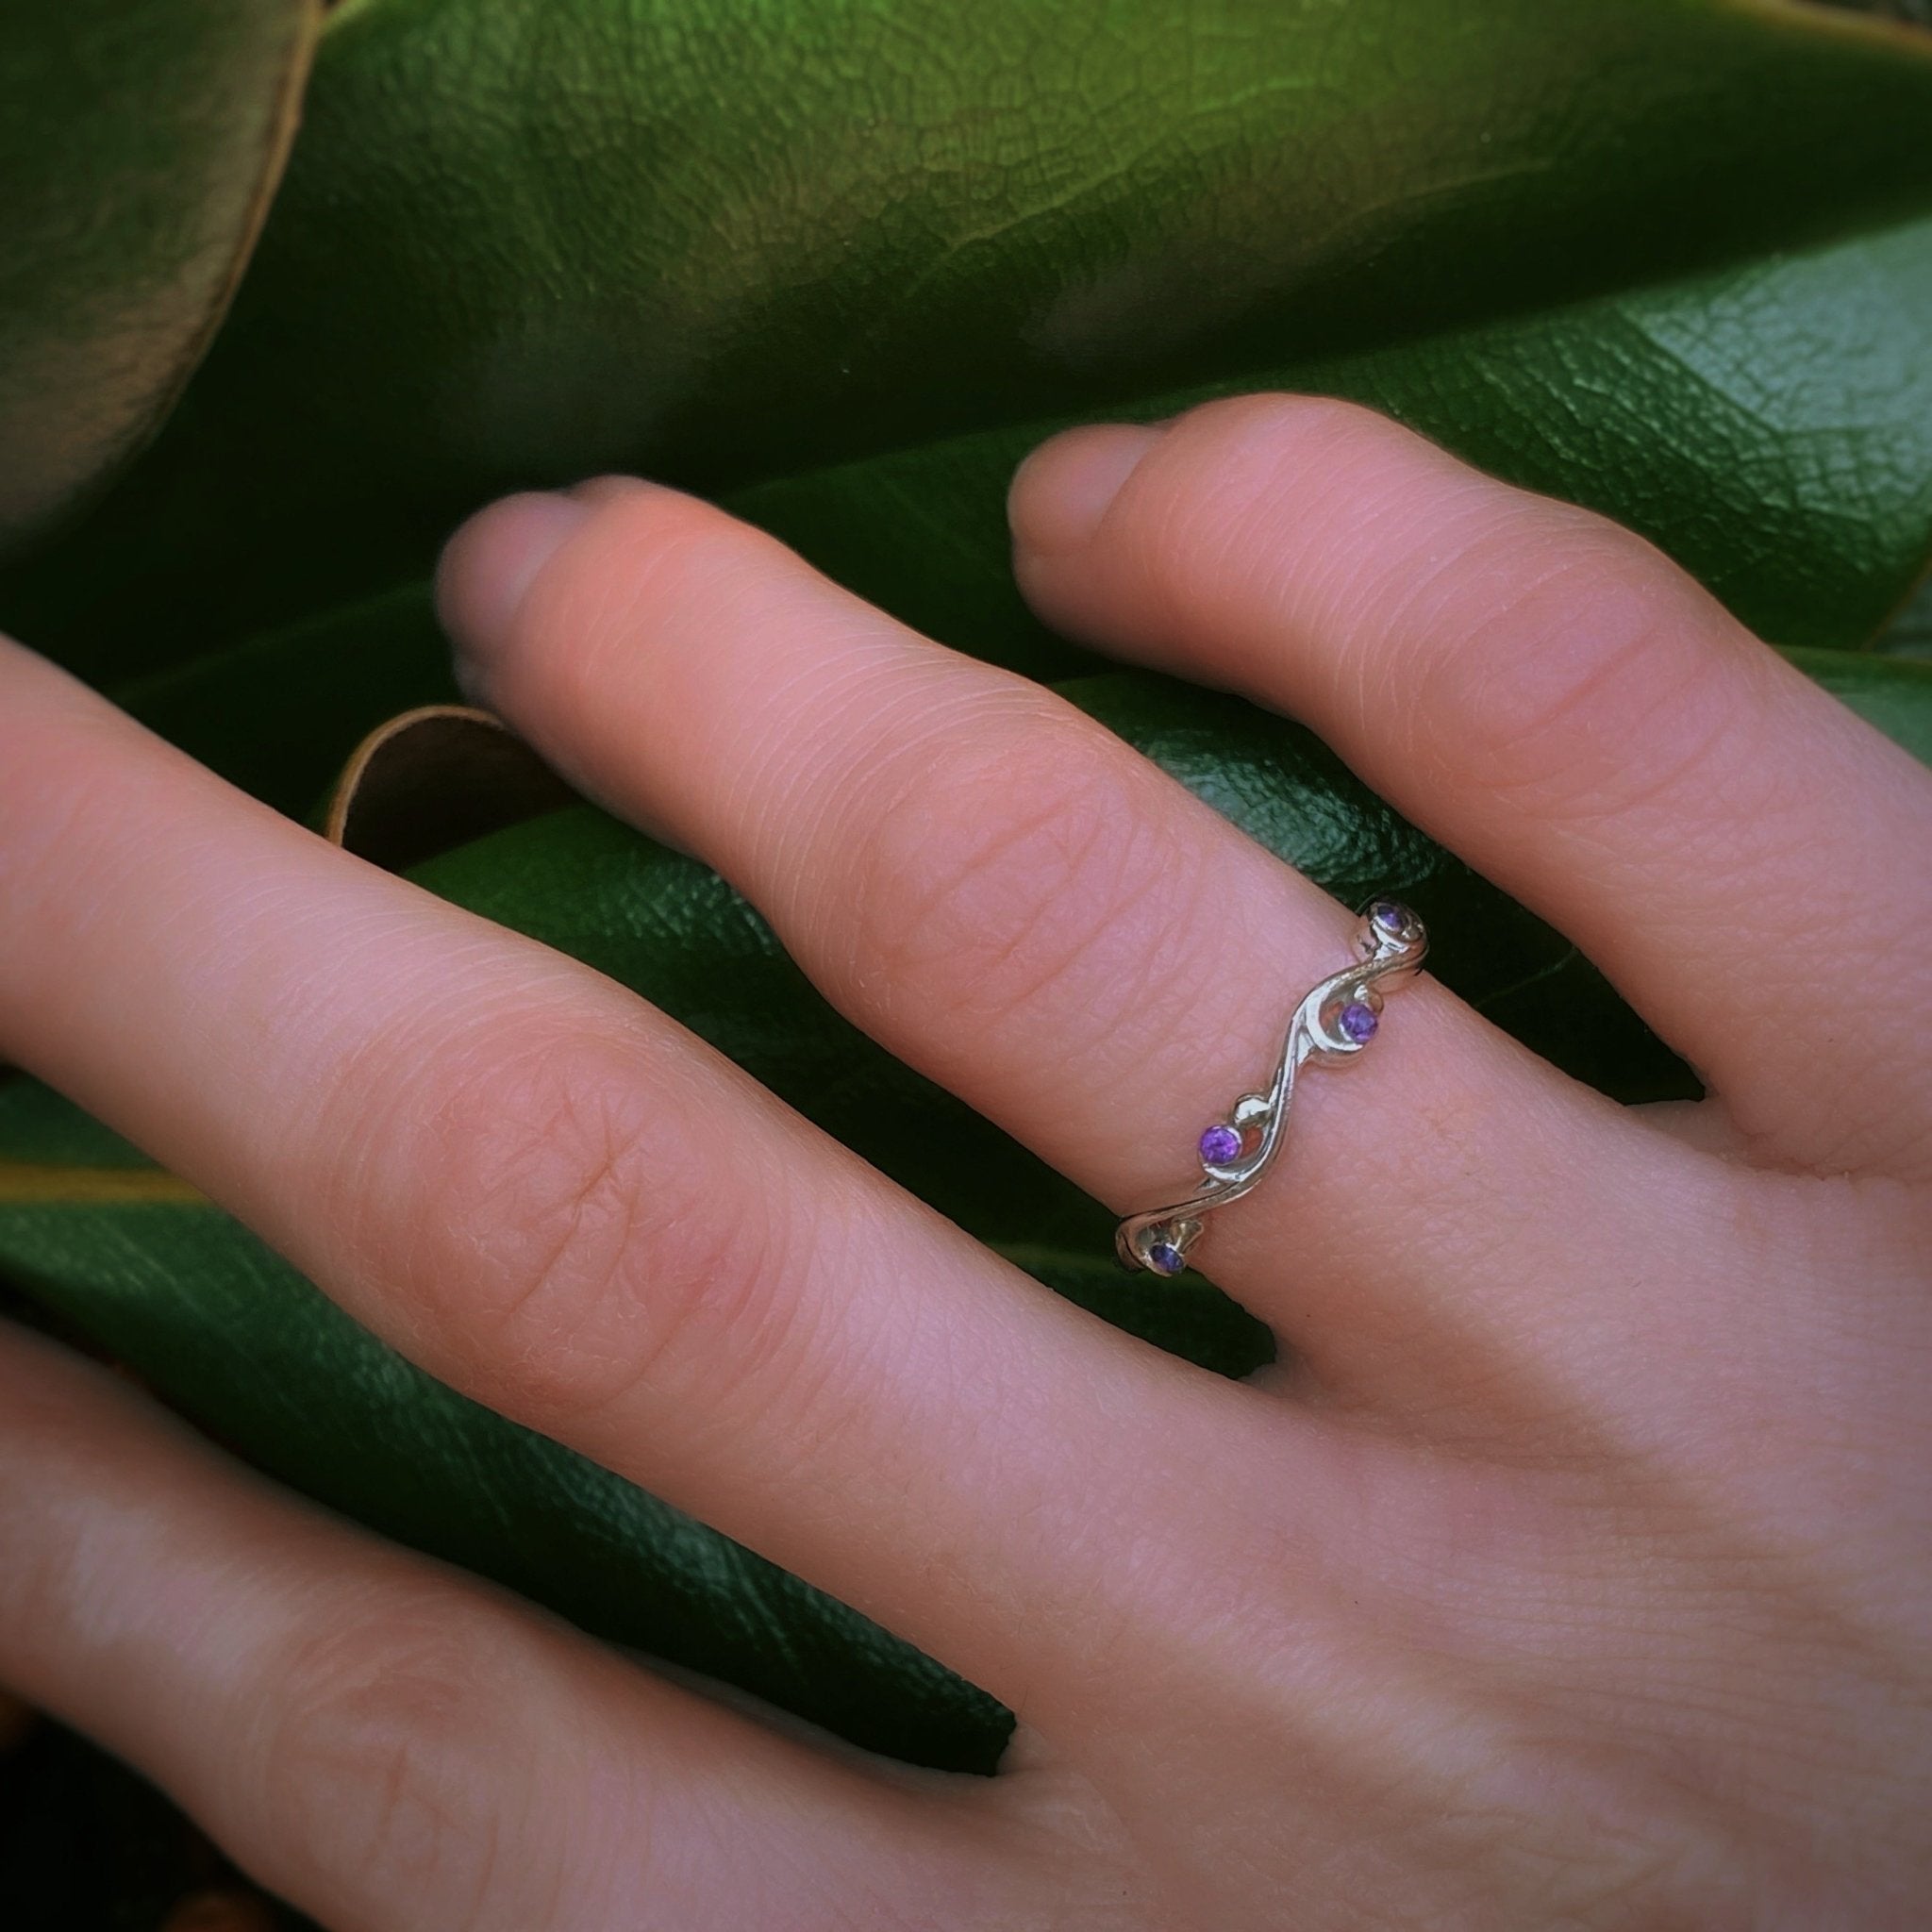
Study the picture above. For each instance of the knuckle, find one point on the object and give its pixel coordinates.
(1585, 683)
(1018, 863)
(371, 1764)
(603, 1228)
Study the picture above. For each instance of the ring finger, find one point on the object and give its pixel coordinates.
(1562, 705)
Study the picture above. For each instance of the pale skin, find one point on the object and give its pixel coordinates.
(1577, 1574)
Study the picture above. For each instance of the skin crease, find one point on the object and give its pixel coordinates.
(1578, 1574)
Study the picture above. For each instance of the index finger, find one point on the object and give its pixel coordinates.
(563, 1203)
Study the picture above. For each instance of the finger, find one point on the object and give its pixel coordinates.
(1554, 699)
(563, 1203)
(1009, 898)
(392, 1745)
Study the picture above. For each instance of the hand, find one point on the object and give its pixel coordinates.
(1578, 1573)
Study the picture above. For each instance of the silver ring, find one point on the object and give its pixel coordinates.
(1335, 1022)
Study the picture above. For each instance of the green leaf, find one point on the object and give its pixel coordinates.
(728, 241)
(1771, 424)
(1892, 693)
(1908, 631)
(138, 147)
(148, 1269)
(277, 713)
(1768, 427)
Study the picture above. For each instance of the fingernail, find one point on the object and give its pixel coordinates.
(1060, 492)
(489, 564)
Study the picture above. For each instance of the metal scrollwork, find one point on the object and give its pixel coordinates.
(1336, 1021)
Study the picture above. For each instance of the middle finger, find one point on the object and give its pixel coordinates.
(1011, 899)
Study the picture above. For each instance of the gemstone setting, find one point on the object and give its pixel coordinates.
(1335, 1019)
(1358, 1022)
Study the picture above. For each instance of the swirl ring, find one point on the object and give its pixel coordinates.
(1336, 1021)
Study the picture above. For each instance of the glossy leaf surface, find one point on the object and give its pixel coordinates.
(1770, 424)
(727, 241)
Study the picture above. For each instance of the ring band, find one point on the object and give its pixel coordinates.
(1337, 1020)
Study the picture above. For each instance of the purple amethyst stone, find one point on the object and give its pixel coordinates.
(1359, 1021)
(1389, 916)
(1220, 1144)
(1164, 1257)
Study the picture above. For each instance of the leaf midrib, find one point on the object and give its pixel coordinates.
(43, 1183)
